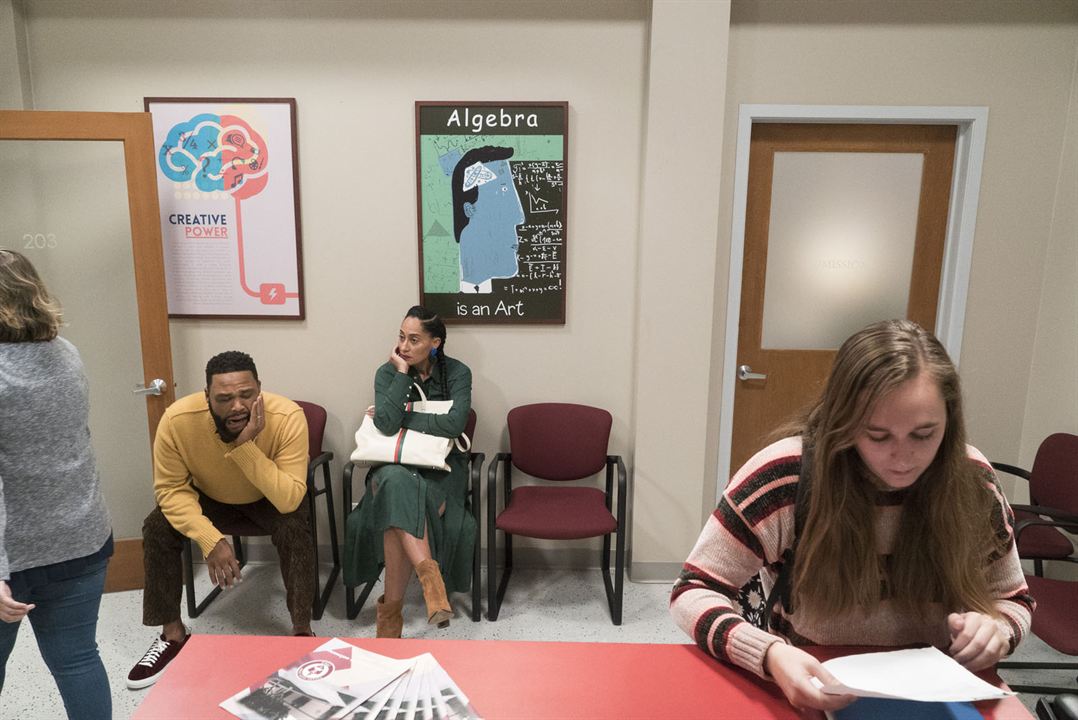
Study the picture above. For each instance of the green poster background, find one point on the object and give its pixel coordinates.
(441, 253)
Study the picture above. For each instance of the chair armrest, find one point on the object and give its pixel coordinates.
(475, 463)
(312, 466)
(346, 487)
(615, 461)
(475, 478)
(1057, 519)
(1054, 513)
(504, 459)
(1011, 470)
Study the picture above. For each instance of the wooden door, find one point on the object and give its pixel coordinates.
(794, 368)
(134, 132)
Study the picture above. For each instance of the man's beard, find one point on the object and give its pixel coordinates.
(223, 432)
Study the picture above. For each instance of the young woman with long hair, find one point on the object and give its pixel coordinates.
(906, 538)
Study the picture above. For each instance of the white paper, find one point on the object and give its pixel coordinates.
(923, 674)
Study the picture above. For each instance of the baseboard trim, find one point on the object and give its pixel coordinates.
(654, 572)
(125, 571)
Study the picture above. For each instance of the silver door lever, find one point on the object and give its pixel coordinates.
(744, 372)
(157, 386)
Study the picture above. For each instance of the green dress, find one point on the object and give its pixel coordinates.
(407, 497)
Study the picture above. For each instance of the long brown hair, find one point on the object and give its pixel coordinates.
(945, 529)
(27, 312)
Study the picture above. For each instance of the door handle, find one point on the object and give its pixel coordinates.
(744, 372)
(157, 386)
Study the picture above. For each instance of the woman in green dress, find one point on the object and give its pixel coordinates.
(415, 518)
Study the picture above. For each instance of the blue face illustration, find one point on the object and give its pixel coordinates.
(488, 243)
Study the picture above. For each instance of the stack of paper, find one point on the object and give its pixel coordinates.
(919, 683)
(923, 674)
(339, 680)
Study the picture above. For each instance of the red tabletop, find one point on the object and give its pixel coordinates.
(511, 679)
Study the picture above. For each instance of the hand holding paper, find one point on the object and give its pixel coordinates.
(795, 672)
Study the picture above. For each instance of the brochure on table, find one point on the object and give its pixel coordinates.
(339, 680)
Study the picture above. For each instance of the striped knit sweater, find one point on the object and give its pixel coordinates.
(754, 524)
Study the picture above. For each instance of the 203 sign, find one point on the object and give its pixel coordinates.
(39, 241)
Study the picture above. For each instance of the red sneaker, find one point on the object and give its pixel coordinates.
(153, 663)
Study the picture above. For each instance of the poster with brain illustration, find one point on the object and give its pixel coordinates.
(227, 187)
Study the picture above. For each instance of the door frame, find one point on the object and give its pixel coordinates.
(135, 131)
(972, 124)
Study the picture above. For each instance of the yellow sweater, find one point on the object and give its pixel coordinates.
(188, 454)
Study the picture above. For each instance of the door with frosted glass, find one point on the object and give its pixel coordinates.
(85, 213)
(844, 225)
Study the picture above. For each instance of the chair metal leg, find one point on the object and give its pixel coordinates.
(497, 596)
(353, 605)
(619, 577)
(322, 593)
(334, 543)
(475, 471)
(492, 569)
(477, 609)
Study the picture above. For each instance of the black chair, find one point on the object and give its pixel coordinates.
(475, 467)
(316, 426)
(556, 442)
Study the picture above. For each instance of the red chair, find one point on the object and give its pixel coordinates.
(352, 604)
(556, 442)
(316, 426)
(1053, 487)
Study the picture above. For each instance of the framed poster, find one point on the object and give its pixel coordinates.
(491, 186)
(227, 182)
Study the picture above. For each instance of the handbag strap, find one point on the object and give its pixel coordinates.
(463, 447)
(422, 395)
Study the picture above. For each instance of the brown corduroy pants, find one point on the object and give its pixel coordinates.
(290, 533)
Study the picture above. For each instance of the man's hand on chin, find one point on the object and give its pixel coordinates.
(255, 423)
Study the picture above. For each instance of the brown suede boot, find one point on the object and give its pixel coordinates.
(430, 577)
(390, 621)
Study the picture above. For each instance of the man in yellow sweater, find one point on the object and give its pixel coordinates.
(230, 453)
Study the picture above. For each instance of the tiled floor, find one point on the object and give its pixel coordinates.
(549, 605)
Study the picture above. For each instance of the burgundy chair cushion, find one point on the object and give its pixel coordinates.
(1053, 621)
(316, 426)
(1041, 541)
(559, 441)
(557, 513)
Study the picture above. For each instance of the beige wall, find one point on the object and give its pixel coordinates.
(653, 91)
(678, 228)
(1052, 403)
(355, 70)
(1016, 59)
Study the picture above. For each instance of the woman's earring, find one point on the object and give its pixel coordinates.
(433, 351)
